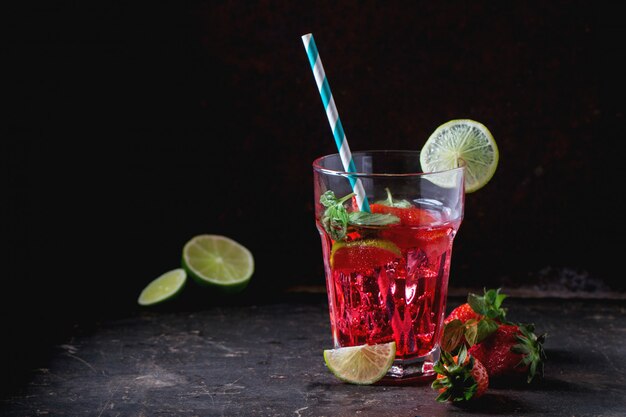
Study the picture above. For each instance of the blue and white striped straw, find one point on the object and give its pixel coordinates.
(333, 119)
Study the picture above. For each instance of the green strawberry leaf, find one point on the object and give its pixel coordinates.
(489, 304)
(471, 331)
(455, 377)
(443, 397)
(485, 328)
(531, 347)
(477, 303)
(462, 355)
(452, 335)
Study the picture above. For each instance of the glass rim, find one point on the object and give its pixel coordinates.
(317, 165)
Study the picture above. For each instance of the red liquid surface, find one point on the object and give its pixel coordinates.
(391, 290)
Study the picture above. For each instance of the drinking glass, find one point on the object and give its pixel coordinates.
(387, 272)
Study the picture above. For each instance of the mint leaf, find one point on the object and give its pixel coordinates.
(335, 218)
(328, 199)
(335, 221)
(390, 202)
(363, 218)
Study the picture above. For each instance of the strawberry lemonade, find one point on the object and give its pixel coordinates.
(387, 268)
(389, 283)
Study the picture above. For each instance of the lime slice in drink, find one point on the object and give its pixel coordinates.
(363, 254)
(462, 143)
(218, 261)
(163, 288)
(361, 365)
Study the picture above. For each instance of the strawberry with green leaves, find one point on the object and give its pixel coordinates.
(461, 378)
(503, 347)
(463, 313)
(512, 350)
(488, 306)
(474, 320)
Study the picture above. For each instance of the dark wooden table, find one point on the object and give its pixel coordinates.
(266, 360)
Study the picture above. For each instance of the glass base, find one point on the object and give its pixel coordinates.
(412, 371)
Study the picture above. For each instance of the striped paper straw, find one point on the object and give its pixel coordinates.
(333, 119)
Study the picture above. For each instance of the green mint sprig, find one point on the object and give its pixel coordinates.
(336, 217)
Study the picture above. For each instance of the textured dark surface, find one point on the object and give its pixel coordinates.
(267, 361)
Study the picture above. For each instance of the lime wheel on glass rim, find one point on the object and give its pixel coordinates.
(462, 143)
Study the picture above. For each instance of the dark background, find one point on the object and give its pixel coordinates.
(132, 128)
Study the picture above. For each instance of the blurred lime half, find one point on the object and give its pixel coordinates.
(218, 261)
(163, 288)
(459, 143)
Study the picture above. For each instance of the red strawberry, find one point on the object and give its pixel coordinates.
(464, 312)
(511, 350)
(461, 378)
(473, 321)
(409, 216)
(434, 240)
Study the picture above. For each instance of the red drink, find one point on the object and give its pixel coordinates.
(389, 283)
(387, 232)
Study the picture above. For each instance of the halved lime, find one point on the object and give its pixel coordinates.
(361, 365)
(163, 288)
(218, 261)
(459, 143)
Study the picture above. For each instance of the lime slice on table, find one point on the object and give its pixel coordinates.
(361, 365)
(218, 261)
(163, 288)
(458, 143)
